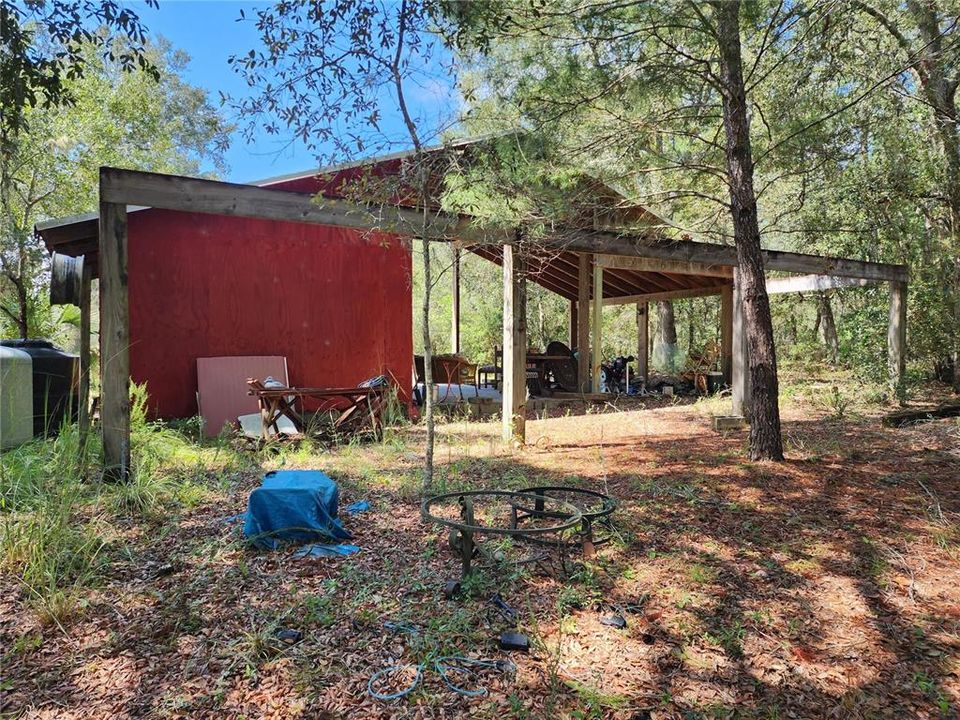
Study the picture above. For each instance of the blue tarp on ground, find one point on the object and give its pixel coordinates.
(317, 550)
(296, 505)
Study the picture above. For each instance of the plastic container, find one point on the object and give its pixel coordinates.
(16, 397)
(714, 382)
(56, 384)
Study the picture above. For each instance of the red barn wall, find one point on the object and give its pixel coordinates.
(336, 302)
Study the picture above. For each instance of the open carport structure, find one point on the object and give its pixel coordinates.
(623, 267)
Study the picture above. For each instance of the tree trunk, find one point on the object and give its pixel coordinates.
(668, 323)
(939, 84)
(765, 439)
(829, 327)
(668, 335)
(423, 177)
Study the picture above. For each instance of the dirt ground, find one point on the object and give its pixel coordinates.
(827, 586)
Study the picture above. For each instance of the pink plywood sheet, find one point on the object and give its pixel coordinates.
(222, 387)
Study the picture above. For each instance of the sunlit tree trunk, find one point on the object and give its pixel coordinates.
(668, 335)
(765, 438)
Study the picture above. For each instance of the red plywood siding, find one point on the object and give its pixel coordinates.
(336, 302)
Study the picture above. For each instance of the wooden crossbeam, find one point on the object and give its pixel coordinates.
(810, 283)
(677, 267)
(174, 192)
(609, 243)
(671, 295)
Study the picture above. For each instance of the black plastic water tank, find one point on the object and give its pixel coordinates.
(56, 384)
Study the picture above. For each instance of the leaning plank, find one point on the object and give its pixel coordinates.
(909, 417)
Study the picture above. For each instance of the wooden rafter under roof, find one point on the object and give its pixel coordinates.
(557, 272)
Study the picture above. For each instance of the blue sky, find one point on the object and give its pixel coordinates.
(209, 32)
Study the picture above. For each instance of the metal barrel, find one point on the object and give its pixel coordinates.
(66, 276)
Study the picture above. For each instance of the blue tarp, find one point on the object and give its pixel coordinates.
(317, 550)
(296, 505)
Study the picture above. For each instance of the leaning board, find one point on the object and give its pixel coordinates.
(222, 387)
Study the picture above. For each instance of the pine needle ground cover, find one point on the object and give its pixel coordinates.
(827, 586)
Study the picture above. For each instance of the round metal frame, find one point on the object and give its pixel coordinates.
(585, 538)
(608, 504)
(461, 533)
(571, 513)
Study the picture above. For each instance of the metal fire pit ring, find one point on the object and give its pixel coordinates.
(587, 541)
(540, 492)
(461, 533)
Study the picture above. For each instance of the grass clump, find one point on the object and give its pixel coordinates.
(57, 518)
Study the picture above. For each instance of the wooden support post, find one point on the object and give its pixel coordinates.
(643, 341)
(514, 346)
(897, 338)
(583, 322)
(574, 321)
(83, 411)
(114, 342)
(726, 334)
(455, 304)
(740, 362)
(597, 322)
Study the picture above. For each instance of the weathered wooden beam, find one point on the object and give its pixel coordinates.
(597, 327)
(809, 283)
(669, 295)
(897, 337)
(455, 303)
(83, 412)
(726, 333)
(609, 243)
(740, 365)
(643, 341)
(174, 192)
(678, 267)
(209, 196)
(114, 341)
(514, 346)
(583, 322)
